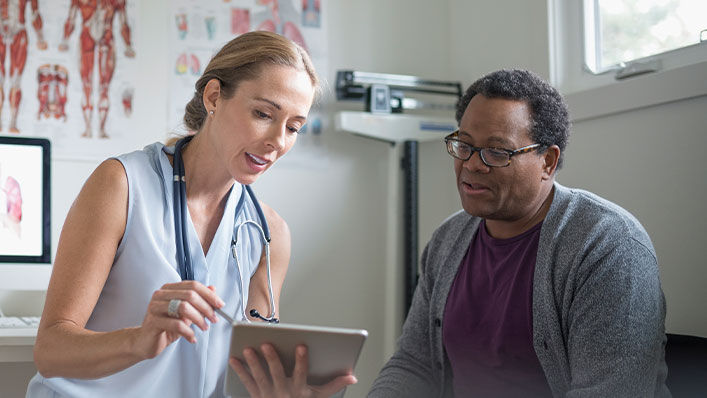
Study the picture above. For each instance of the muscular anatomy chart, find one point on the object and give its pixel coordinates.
(51, 92)
(97, 53)
(13, 43)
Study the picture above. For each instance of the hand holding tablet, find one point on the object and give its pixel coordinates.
(271, 360)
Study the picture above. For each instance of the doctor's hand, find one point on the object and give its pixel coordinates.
(193, 303)
(260, 385)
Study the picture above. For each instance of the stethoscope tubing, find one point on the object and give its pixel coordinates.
(270, 317)
(180, 213)
(186, 270)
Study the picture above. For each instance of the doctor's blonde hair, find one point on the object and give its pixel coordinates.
(242, 59)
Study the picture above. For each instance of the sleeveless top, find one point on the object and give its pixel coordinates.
(146, 260)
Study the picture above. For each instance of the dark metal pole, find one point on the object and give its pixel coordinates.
(410, 217)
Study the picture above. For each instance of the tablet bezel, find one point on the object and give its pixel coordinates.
(332, 351)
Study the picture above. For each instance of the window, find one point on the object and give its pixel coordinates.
(599, 59)
(620, 31)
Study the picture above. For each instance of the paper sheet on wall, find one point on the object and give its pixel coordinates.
(77, 84)
(200, 29)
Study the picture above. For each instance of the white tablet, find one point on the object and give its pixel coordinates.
(332, 351)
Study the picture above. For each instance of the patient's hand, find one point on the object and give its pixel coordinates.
(277, 384)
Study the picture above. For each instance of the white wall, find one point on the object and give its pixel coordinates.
(651, 162)
(490, 35)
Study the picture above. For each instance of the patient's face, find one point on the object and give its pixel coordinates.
(499, 193)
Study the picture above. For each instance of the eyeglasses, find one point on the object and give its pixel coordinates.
(492, 157)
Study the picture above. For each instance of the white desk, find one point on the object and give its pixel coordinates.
(16, 344)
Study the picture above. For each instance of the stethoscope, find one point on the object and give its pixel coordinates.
(186, 271)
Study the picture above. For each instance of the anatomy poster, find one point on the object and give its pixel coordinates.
(201, 28)
(67, 73)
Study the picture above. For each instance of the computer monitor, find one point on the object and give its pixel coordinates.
(25, 219)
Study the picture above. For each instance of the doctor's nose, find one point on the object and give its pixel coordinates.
(276, 137)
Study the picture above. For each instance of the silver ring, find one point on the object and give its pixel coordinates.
(173, 308)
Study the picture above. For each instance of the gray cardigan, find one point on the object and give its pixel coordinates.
(598, 308)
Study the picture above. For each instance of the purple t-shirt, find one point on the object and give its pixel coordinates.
(488, 319)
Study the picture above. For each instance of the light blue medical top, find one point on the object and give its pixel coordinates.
(146, 260)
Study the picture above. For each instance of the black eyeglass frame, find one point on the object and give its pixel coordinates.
(510, 152)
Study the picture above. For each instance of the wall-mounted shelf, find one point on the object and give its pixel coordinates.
(395, 127)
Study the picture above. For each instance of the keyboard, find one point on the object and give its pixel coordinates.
(19, 322)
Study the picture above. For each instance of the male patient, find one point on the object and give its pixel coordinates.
(534, 289)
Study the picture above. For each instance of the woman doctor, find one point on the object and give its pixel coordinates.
(120, 318)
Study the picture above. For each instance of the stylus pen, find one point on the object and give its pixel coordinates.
(224, 315)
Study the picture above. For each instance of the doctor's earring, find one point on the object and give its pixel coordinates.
(211, 112)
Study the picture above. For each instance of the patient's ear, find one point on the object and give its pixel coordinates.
(550, 159)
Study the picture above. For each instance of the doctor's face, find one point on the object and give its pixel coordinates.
(259, 124)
